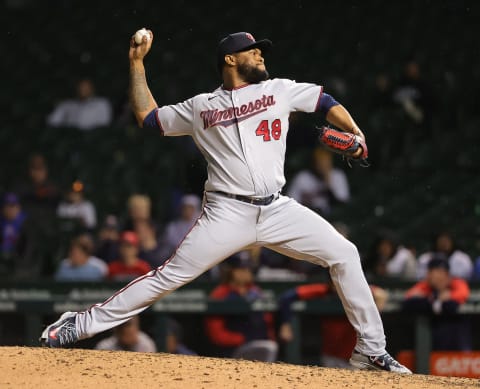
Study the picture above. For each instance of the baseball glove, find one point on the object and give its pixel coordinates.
(345, 144)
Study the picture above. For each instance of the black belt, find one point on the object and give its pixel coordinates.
(251, 199)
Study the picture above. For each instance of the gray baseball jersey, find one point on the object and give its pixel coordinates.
(242, 134)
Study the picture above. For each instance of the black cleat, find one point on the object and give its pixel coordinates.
(62, 333)
(383, 362)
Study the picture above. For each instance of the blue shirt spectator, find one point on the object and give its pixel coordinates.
(80, 264)
(11, 223)
(476, 269)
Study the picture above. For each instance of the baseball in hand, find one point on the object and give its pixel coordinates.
(139, 36)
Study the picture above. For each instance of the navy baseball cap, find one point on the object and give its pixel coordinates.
(241, 41)
(438, 262)
(237, 42)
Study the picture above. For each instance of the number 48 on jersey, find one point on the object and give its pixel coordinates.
(268, 132)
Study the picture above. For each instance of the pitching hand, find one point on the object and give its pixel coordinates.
(138, 52)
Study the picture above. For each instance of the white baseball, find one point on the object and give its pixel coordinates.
(140, 34)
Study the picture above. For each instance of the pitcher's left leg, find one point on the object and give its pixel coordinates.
(298, 232)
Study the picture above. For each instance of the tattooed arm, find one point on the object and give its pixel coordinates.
(141, 99)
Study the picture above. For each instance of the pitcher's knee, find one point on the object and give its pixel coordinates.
(348, 252)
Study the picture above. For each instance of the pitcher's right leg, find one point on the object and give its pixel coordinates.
(224, 228)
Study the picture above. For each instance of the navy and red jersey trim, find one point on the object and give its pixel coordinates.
(317, 106)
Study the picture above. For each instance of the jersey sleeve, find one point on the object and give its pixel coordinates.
(176, 120)
(302, 96)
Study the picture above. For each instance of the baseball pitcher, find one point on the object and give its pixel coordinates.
(241, 129)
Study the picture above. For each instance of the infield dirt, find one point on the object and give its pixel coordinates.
(25, 367)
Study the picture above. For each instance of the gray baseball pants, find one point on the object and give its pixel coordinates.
(227, 226)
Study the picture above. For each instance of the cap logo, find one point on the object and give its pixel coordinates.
(250, 36)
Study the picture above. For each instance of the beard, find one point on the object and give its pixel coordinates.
(252, 74)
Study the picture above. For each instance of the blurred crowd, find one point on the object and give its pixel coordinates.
(47, 230)
(121, 247)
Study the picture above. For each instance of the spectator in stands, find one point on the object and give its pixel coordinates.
(139, 209)
(128, 337)
(108, 240)
(268, 265)
(150, 249)
(320, 187)
(441, 295)
(337, 334)
(383, 113)
(84, 112)
(415, 97)
(177, 229)
(76, 207)
(173, 343)
(11, 222)
(247, 336)
(39, 195)
(80, 265)
(128, 266)
(12, 233)
(460, 262)
(382, 97)
(476, 269)
(389, 259)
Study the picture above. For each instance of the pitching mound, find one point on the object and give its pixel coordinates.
(23, 367)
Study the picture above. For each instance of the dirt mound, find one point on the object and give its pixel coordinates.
(23, 367)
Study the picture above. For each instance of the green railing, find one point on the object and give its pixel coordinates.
(37, 299)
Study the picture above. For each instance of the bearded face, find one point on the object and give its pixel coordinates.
(251, 73)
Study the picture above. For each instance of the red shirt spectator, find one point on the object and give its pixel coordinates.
(232, 331)
(440, 296)
(129, 266)
(457, 291)
(440, 288)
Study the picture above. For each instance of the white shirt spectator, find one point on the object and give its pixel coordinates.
(310, 190)
(84, 211)
(82, 114)
(461, 265)
(402, 264)
(144, 345)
